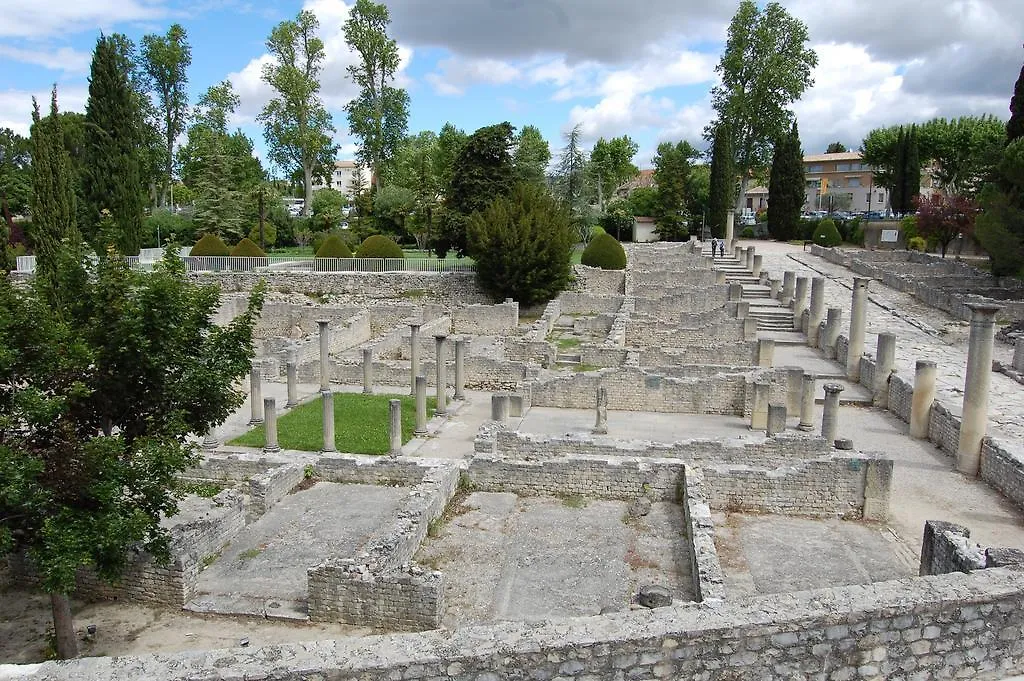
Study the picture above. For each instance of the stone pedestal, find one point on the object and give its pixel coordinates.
(421, 405)
(601, 426)
(270, 427)
(499, 407)
(460, 368)
(788, 287)
(885, 358)
(293, 384)
(325, 353)
(730, 229)
(807, 385)
(255, 396)
(799, 302)
(776, 419)
(759, 408)
(1018, 355)
(817, 310)
(442, 378)
(923, 397)
(414, 355)
(750, 258)
(755, 267)
(774, 286)
(974, 419)
(327, 415)
(833, 321)
(830, 416)
(210, 441)
(858, 312)
(765, 352)
(743, 309)
(368, 371)
(395, 427)
(720, 277)
(735, 292)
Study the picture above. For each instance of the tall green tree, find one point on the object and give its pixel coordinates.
(570, 178)
(907, 180)
(671, 174)
(379, 115)
(450, 142)
(611, 164)
(532, 155)
(165, 61)
(1000, 225)
(114, 139)
(296, 125)
(786, 187)
(698, 193)
(1015, 126)
(836, 148)
(416, 169)
(766, 67)
(15, 190)
(98, 397)
(218, 204)
(723, 180)
(53, 197)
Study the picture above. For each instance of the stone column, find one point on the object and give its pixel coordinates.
(395, 427)
(255, 395)
(601, 426)
(923, 397)
(735, 292)
(833, 321)
(421, 405)
(765, 352)
(499, 407)
(755, 267)
(720, 277)
(750, 258)
(759, 408)
(730, 226)
(460, 368)
(788, 284)
(858, 310)
(974, 419)
(885, 357)
(325, 353)
(776, 419)
(368, 371)
(327, 403)
(414, 354)
(774, 285)
(830, 417)
(1018, 355)
(210, 441)
(270, 409)
(743, 309)
(799, 303)
(293, 385)
(442, 378)
(808, 385)
(817, 310)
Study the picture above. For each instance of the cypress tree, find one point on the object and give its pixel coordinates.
(720, 194)
(911, 171)
(113, 141)
(1015, 126)
(899, 185)
(786, 187)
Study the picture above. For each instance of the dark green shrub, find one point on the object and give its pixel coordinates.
(605, 252)
(917, 243)
(807, 228)
(210, 245)
(269, 234)
(333, 247)
(379, 246)
(522, 244)
(247, 248)
(856, 232)
(747, 233)
(163, 224)
(826, 234)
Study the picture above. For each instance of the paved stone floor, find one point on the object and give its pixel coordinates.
(551, 557)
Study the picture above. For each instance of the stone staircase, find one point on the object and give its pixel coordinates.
(770, 315)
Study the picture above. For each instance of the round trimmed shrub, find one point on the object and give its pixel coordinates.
(604, 252)
(747, 233)
(826, 234)
(333, 247)
(210, 245)
(247, 248)
(379, 246)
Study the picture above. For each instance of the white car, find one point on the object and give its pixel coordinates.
(748, 220)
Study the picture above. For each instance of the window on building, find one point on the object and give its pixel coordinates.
(867, 198)
(842, 167)
(853, 182)
(815, 168)
(838, 182)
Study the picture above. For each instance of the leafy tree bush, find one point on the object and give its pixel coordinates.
(334, 247)
(917, 243)
(747, 233)
(597, 230)
(210, 245)
(522, 244)
(604, 252)
(247, 248)
(269, 234)
(826, 234)
(167, 225)
(379, 246)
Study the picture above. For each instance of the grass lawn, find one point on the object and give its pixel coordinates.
(292, 250)
(360, 424)
(577, 253)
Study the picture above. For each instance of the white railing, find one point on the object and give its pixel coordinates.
(149, 257)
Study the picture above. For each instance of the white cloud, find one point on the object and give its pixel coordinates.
(26, 19)
(455, 74)
(63, 59)
(16, 105)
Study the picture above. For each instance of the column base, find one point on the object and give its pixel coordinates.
(255, 422)
(328, 451)
(806, 427)
(419, 433)
(368, 391)
(289, 405)
(209, 446)
(599, 431)
(458, 396)
(272, 450)
(439, 412)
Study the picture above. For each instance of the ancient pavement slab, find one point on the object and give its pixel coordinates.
(637, 425)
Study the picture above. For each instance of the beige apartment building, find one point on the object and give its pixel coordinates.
(341, 178)
(836, 182)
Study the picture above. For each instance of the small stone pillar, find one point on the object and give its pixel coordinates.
(325, 353)
(367, 371)
(817, 310)
(799, 303)
(293, 384)
(755, 268)
(830, 417)
(327, 402)
(270, 428)
(808, 385)
(774, 285)
(885, 358)
(743, 309)
(759, 408)
(730, 229)
(601, 426)
(499, 407)
(442, 378)
(460, 368)
(1018, 355)
(750, 258)
(421, 405)
(210, 441)
(255, 395)
(788, 285)
(735, 292)
(395, 427)
(414, 354)
(833, 321)
(974, 419)
(922, 399)
(720, 277)
(765, 352)
(776, 419)
(858, 311)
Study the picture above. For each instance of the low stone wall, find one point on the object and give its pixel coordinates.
(960, 625)
(741, 353)
(481, 373)
(266, 489)
(486, 320)
(650, 333)
(669, 307)
(947, 548)
(604, 356)
(228, 466)
(594, 280)
(588, 303)
(706, 569)
(372, 470)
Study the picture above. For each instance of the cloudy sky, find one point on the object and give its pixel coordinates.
(642, 68)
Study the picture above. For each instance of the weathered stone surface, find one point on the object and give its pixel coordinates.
(654, 596)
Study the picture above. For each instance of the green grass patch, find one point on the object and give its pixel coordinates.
(577, 254)
(414, 293)
(574, 501)
(249, 554)
(567, 343)
(201, 489)
(360, 424)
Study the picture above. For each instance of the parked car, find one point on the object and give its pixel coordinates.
(748, 220)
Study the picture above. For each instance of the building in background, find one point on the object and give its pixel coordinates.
(341, 178)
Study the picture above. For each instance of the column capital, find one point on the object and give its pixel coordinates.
(925, 364)
(440, 337)
(833, 388)
(981, 310)
(323, 322)
(861, 282)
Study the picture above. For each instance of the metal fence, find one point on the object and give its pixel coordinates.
(147, 259)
